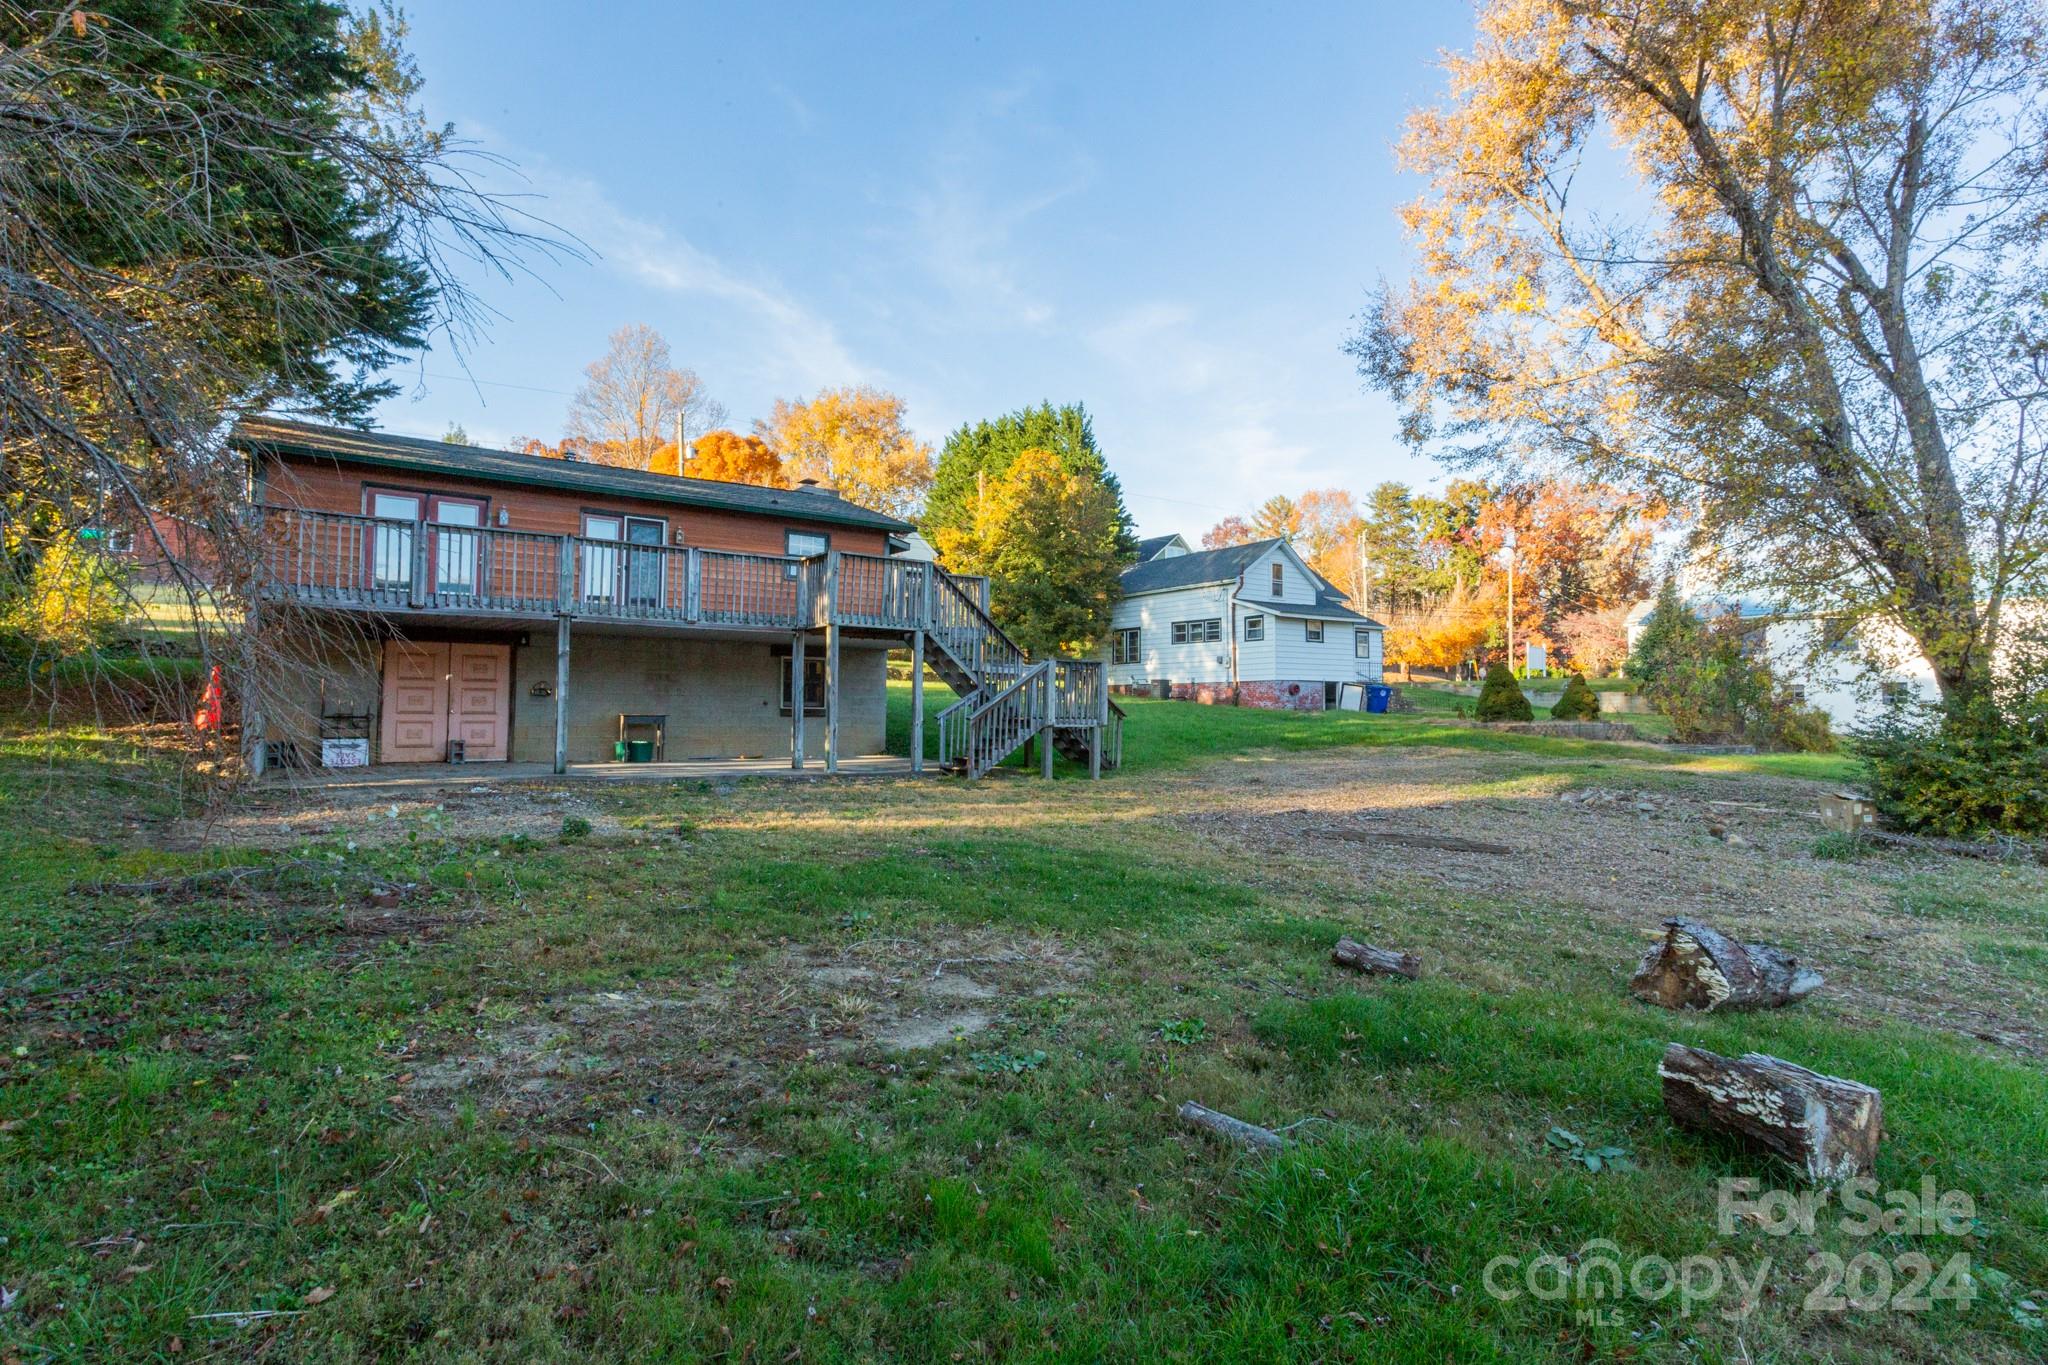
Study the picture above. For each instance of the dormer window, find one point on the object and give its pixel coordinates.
(1279, 580)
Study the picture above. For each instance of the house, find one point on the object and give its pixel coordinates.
(1248, 624)
(437, 602)
(1852, 673)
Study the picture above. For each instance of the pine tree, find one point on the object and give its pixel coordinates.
(1500, 696)
(1671, 633)
(1579, 701)
(980, 453)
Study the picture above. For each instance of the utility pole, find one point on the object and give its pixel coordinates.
(1507, 549)
(682, 451)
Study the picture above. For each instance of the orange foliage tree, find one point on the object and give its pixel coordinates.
(735, 458)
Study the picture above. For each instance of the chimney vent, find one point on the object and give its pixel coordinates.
(569, 452)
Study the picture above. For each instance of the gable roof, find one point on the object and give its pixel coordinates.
(1194, 569)
(279, 436)
(1150, 547)
(1201, 568)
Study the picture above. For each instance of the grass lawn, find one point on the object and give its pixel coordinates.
(886, 1070)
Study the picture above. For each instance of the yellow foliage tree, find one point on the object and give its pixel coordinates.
(855, 440)
(1049, 541)
(74, 598)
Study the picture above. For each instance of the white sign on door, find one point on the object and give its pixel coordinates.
(344, 753)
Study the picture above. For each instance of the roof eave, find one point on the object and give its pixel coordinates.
(271, 445)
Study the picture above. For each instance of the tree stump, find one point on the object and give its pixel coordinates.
(1699, 968)
(1825, 1126)
(1364, 957)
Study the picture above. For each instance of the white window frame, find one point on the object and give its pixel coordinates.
(1312, 631)
(1128, 646)
(1361, 644)
(1255, 627)
(1279, 580)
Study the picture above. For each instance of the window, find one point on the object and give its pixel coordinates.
(1895, 693)
(1838, 636)
(1279, 580)
(1124, 648)
(1313, 631)
(1798, 694)
(814, 686)
(1198, 632)
(1254, 627)
(803, 544)
(1361, 644)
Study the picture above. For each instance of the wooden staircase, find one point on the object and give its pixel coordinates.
(1006, 700)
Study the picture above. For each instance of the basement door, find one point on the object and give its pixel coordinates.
(435, 692)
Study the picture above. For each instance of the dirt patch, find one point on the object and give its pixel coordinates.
(706, 1052)
(1736, 852)
(286, 817)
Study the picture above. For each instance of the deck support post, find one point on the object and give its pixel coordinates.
(832, 662)
(255, 748)
(1095, 736)
(796, 701)
(916, 701)
(561, 695)
(1051, 722)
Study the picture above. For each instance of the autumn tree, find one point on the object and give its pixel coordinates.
(1810, 310)
(1228, 532)
(855, 440)
(980, 452)
(1327, 524)
(735, 458)
(1051, 542)
(626, 408)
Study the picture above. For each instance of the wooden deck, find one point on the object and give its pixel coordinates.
(333, 561)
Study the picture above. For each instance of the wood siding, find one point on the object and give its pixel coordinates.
(334, 486)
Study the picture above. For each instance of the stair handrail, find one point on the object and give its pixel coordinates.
(991, 737)
(954, 728)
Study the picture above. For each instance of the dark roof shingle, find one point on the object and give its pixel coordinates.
(1194, 569)
(282, 436)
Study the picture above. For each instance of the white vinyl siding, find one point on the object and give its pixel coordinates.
(1295, 586)
(1153, 615)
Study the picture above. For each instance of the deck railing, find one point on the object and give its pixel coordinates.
(340, 560)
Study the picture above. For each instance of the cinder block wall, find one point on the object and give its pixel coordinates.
(723, 698)
(349, 662)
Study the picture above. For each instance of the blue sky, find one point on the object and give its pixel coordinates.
(1170, 213)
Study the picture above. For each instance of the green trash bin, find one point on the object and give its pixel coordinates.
(639, 751)
(619, 752)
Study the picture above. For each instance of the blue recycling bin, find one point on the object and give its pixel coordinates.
(1377, 695)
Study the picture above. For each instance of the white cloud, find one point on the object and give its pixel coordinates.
(803, 349)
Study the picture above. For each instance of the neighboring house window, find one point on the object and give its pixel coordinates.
(1361, 643)
(1838, 637)
(1124, 649)
(1798, 695)
(1895, 693)
(814, 686)
(1313, 630)
(1279, 580)
(1198, 632)
(1254, 627)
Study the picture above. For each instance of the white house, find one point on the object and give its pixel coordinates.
(1851, 673)
(1251, 624)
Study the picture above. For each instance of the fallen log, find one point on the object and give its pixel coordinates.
(1697, 967)
(2002, 850)
(1364, 957)
(1229, 1129)
(1825, 1126)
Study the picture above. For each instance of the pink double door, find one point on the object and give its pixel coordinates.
(435, 692)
